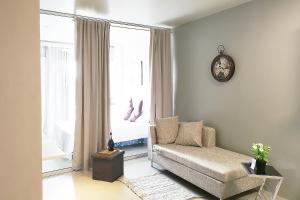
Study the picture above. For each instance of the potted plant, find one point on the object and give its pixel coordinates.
(261, 153)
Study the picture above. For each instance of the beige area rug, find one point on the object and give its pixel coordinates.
(158, 186)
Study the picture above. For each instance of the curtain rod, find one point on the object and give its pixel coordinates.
(57, 42)
(61, 14)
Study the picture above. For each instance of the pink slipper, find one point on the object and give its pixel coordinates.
(130, 110)
(139, 112)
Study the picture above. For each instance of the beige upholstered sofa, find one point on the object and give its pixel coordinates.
(213, 169)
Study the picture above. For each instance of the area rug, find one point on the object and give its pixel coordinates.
(158, 186)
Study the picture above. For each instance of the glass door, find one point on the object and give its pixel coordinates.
(130, 88)
(58, 92)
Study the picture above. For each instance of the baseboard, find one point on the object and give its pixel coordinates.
(57, 172)
(136, 156)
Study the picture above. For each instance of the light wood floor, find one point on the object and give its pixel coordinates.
(80, 185)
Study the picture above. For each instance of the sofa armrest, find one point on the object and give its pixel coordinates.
(208, 137)
(152, 139)
(153, 136)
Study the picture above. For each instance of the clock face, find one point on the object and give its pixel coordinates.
(222, 68)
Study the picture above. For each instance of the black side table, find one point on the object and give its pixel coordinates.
(272, 180)
(108, 167)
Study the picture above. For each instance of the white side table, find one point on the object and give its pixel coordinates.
(272, 180)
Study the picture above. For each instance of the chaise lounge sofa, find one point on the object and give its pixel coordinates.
(213, 169)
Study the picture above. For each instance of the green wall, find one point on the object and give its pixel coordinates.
(261, 103)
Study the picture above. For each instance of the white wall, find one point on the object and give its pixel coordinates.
(20, 110)
(261, 103)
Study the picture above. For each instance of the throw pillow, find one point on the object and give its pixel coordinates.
(167, 129)
(190, 134)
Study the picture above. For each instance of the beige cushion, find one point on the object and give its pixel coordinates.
(220, 164)
(190, 134)
(208, 137)
(167, 129)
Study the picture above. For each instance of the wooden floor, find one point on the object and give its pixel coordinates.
(80, 185)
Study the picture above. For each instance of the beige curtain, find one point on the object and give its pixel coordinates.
(161, 77)
(92, 90)
(161, 73)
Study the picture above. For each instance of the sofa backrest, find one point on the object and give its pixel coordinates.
(208, 136)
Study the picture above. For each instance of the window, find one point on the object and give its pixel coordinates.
(129, 81)
(58, 91)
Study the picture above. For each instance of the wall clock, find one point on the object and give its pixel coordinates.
(222, 67)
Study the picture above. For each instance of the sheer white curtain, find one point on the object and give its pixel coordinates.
(129, 82)
(57, 95)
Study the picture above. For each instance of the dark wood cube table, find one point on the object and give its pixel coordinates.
(108, 167)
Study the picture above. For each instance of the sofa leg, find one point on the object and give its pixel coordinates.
(152, 165)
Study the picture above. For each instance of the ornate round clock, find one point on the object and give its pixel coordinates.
(222, 67)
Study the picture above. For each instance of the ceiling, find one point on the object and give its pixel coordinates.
(168, 13)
